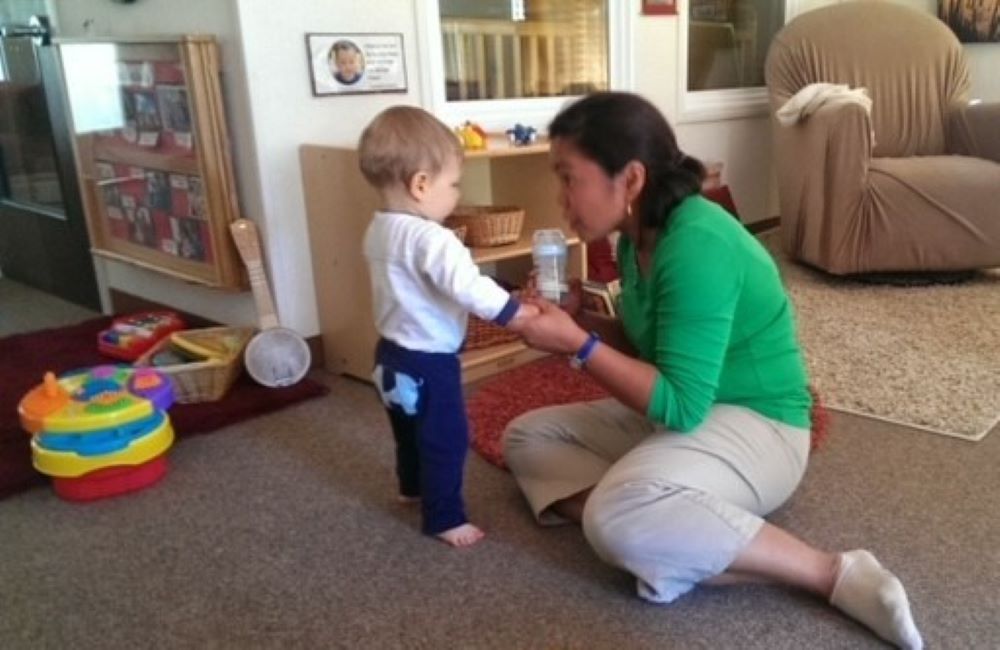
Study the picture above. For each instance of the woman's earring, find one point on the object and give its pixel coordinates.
(628, 209)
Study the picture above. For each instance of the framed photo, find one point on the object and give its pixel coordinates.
(659, 7)
(972, 21)
(155, 174)
(350, 64)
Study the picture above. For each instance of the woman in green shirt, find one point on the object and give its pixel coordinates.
(708, 427)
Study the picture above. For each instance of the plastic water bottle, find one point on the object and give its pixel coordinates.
(548, 251)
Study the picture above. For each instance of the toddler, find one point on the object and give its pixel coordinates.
(424, 285)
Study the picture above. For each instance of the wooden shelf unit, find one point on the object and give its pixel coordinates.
(339, 205)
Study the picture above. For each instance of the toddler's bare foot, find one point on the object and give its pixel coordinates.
(464, 535)
(402, 498)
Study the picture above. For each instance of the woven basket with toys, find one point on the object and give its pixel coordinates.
(488, 225)
(203, 363)
(484, 334)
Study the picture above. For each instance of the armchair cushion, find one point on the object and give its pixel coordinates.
(974, 130)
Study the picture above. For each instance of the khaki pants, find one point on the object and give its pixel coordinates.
(673, 509)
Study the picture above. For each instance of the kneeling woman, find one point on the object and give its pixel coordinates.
(708, 428)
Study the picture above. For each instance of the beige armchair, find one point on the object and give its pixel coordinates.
(912, 186)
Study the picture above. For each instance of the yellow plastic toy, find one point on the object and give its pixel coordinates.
(472, 136)
(100, 431)
(148, 444)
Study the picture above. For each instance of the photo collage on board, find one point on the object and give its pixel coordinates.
(160, 210)
(157, 115)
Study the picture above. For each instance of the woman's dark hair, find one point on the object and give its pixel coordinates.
(613, 128)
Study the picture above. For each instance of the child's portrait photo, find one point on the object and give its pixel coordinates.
(147, 115)
(347, 62)
(190, 245)
(157, 190)
(173, 104)
(143, 231)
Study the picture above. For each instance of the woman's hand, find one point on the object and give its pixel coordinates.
(572, 302)
(553, 329)
(525, 312)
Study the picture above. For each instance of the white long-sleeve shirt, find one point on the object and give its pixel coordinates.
(425, 284)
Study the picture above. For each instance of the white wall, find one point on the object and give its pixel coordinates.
(286, 115)
(272, 112)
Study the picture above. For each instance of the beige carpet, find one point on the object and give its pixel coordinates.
(927, 357)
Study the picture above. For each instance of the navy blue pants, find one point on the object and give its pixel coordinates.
(422, 392)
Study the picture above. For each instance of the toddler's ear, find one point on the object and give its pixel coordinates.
(418, 184)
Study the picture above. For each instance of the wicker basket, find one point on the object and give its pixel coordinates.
(459, 232)
(209, 379)
(488, 225)
(484, 334)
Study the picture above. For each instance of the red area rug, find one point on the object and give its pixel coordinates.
(546, 382)
(26, 358)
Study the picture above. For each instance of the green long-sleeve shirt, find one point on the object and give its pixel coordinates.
(712, 315)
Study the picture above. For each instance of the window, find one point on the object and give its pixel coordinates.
(498, 62)
(726, 42)
(28, 173)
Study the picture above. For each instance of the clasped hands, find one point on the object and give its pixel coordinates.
(546, 326)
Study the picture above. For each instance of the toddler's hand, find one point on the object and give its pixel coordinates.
(572, 304)
(525, 312)
(529, 293)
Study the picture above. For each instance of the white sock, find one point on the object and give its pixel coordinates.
(872, 595)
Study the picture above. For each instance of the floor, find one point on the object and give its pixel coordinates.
(23, 309)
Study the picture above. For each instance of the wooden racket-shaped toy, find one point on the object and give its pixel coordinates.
(276, 356)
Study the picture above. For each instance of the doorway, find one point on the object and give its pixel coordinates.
(43, 232)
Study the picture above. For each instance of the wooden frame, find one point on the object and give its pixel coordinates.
(659, 7)
(376, 63)
(152, 154)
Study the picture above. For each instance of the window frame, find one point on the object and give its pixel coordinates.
(720, 104)
(497, 115)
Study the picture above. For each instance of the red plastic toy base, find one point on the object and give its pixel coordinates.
(111, 481)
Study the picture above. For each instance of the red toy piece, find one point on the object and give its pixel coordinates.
(130, 336)
(111, 481)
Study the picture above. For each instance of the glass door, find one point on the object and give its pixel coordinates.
(43, 233)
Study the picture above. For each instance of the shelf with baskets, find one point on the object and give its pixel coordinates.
(339, 205)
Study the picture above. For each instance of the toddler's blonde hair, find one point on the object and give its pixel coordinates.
(403, 140)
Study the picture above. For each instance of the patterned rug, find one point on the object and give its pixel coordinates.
(927, 357)
(546, 382)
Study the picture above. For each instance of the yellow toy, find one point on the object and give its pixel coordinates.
(101, 431)
(472, 136)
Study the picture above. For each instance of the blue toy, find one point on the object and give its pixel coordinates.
(522, 135)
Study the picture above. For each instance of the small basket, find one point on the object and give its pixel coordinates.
(209, 379)
(488, 225)
(484, 334)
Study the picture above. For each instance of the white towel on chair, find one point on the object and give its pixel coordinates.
(809, 100)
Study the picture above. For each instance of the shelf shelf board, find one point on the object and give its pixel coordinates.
(492, 353)
(520, 248)
(106, 150)
(480, 364)
(499, 147)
